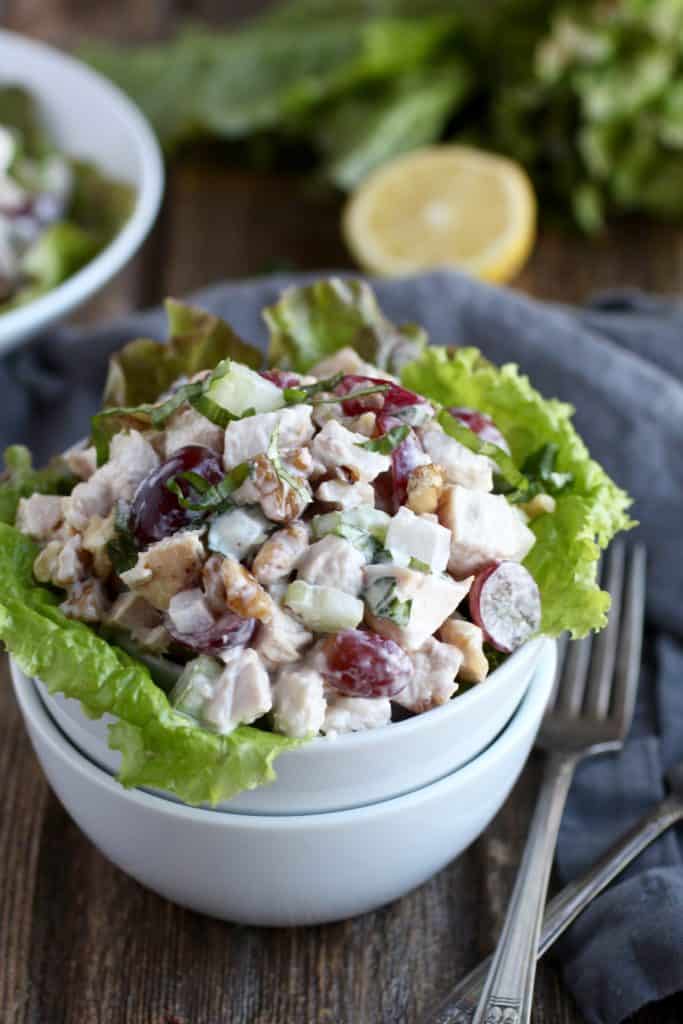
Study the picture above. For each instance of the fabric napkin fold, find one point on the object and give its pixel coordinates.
(620, 362)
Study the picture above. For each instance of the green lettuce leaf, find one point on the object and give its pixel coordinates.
(20, 480)
(160, 747)
(316, 320)
(143, 369)
(588, 514)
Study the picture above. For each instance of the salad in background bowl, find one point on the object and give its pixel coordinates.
(56, 212)
(240, 559)
(81, 179)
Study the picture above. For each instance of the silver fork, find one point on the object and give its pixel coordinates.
(589, 712)
(461, 1002)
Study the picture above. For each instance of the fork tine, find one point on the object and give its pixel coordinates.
(628, 657)
(605, 647)
(576, 669)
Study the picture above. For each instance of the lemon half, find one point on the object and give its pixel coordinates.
(452, 206)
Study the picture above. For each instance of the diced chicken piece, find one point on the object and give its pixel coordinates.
(342, 495)
(187, 426)
(333, 561)
(469, 639)
(244, 595)
(433, 598)
(241, 693)
(40, 515)
(425, 485)
(87, 601)
(189, 612)
(460, 465)
(410, 536)
(246, 438)
(347, 360)
(354, 714)
(282, 639)
(484, 528)
(277, 558)
(299, 702)
(282, 499)
(96, 537)
(435, 667)
(131, 459)
(165, 568)
(336, 447)
(82, 461)
(144, 623)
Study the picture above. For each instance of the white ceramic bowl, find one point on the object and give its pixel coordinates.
(87, 117)
(332, 774)
(301, 869)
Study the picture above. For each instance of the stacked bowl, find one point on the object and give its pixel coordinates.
(350, 823)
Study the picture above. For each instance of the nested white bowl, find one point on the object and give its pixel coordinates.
(88, 117)
(330, 774)
(286, 870)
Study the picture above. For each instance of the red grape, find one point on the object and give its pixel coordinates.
(156, 512)
(363, 664)
(481, 424)
(505, 603)
(229, 630)
(404, 459)
(282, 378)
(392, 400)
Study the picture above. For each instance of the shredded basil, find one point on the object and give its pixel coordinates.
(381, 599)
(283, 474)
(305, 392)
(511, 477)
(212, 498)
(122, 549)
(387, 442)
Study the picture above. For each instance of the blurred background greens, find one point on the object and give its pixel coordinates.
(587, 96)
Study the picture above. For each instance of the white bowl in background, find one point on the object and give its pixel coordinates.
(331, 774)
(88, 117)
(286, 870)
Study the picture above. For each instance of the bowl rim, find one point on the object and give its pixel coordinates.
(456, 707)
(37, 718)
(21, 324)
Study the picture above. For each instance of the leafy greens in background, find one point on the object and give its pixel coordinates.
(588, 95)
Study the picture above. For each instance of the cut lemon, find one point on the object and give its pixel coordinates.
(451, 206)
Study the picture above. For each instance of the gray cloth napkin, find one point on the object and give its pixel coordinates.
(620, 362)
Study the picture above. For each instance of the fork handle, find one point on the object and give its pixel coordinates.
(459, 1005)
(509, 987)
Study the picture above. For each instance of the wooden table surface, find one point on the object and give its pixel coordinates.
(80, 943)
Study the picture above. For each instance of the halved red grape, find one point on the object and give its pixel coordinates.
(404, 459)
(156, 511)
(505, 603)
(392, 399)
(364, 664)
(282, 378)
(481, 424)
(229, 630)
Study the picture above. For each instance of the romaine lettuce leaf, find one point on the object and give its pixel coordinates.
(143, 369)
(159, 746)
(588, 514)
(313, 321)
(20, 480)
